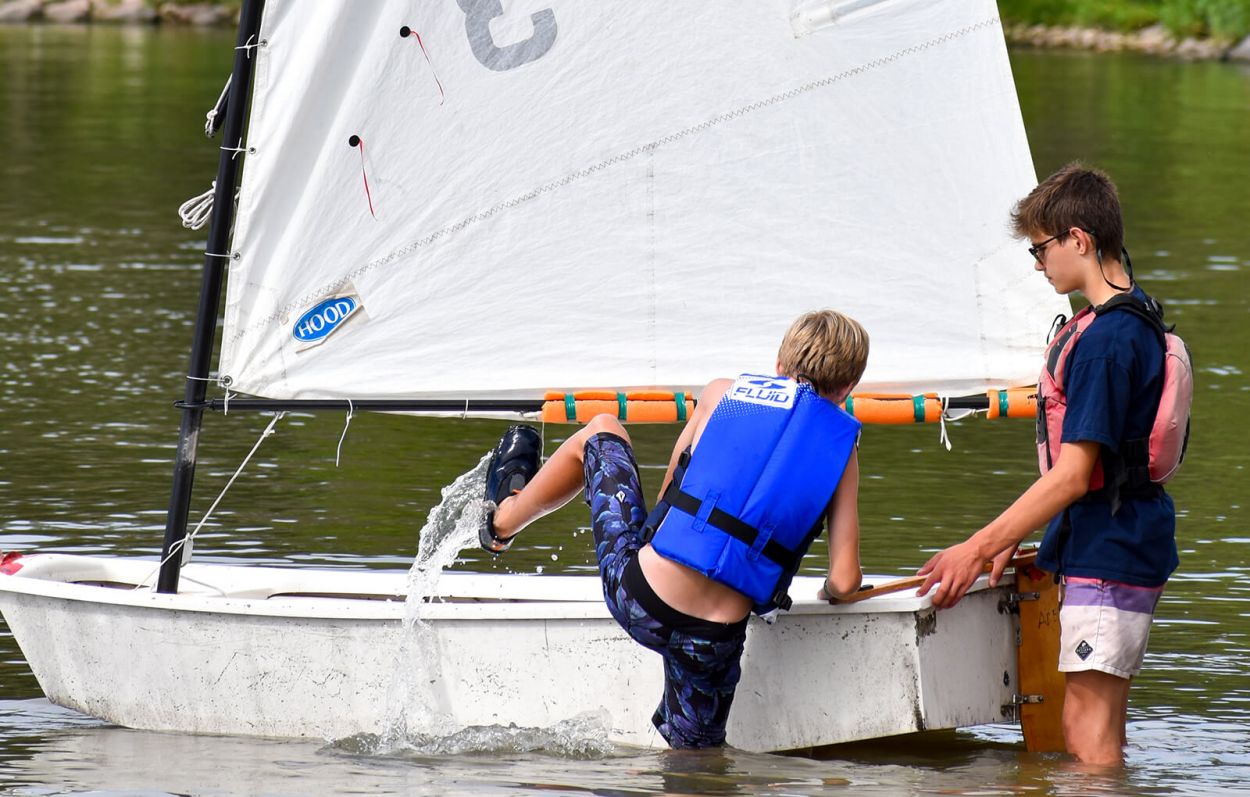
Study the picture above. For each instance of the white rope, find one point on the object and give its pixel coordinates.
(220, 381)
(185, 544)
(211, 116)
(196, 211)
(951, 415)
(339, 452)
(235, 150)
(249, 46)
(943, 438)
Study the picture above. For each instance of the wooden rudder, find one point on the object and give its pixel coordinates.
(1037, 661)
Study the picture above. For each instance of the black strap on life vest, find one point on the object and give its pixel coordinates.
(1125, 475)
(675, 497)
(1126, 472)
(744, 532)
(1149, 311)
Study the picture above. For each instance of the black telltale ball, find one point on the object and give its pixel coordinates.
(405, 32)
(354, 141)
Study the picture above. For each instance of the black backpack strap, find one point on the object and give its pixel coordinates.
(1126, 473)
(1149, 311)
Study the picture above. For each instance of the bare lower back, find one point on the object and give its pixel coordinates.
(690, 592)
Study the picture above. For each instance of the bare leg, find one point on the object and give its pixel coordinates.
(557, 482)
(1124, 716)
(1095, 706)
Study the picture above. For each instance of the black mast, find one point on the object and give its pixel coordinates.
(210, 294)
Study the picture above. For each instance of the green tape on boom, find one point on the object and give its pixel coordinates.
(917, 403)
(850, 406)
(680, 400)
(1002, 403)
(570, 407)
(622, 406)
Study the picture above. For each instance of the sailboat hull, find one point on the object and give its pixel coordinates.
(326, 654)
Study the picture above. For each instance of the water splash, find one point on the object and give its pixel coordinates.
(414, 709)
(418, 717)
(583, 737)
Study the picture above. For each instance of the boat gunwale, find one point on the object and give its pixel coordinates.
(335, 594)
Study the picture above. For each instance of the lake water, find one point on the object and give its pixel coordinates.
(101, 136)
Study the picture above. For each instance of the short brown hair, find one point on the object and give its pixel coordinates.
(825, 348)
(1074, 196)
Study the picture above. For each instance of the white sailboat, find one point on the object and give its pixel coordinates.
(456, 207)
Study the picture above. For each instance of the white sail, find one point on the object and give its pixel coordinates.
(565, 194)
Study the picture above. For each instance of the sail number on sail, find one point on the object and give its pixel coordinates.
(477, 17)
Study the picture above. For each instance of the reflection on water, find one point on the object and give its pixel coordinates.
(97, 284)
(75, 755)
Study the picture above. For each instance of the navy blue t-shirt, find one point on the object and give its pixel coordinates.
(1113, 381)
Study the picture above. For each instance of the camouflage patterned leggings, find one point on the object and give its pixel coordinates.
(700, 657)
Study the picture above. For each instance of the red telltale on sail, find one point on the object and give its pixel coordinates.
(358, 142)
(404, 33)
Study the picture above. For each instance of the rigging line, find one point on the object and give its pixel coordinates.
(182, 543)
(223, 382)
(210, 125)
(224, 257)
(237, 150)
(249, 46)
(943, 437)
(615, 160)
(339, 451)
(196, 211)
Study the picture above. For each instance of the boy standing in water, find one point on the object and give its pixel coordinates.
(1111, 533)
(762, 464)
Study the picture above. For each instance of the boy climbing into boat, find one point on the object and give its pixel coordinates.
(1111, 534)
(763, 463)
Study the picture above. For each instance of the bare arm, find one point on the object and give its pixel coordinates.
(708, 400)
(845, 574)
(960, 565)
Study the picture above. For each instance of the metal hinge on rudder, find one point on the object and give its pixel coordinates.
(1011, 605)
(1011, 710)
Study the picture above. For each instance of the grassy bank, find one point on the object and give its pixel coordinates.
(1221, 19)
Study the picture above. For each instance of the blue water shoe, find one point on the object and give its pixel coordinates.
(512, 465)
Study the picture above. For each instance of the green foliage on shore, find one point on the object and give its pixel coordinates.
(1224, 19)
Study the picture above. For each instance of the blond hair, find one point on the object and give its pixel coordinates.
(825, 348)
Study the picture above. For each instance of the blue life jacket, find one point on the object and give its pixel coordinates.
(745, 507)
